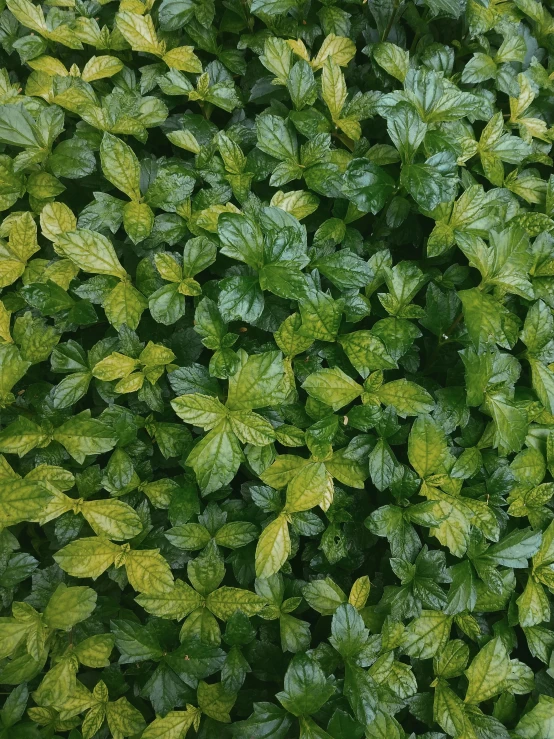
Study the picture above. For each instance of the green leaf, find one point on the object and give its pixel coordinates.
(324, 596)
(366, 352)
(148, 571)
(112, 518)
(134, 642)
(22, 500)
(321, 316)
(95, 650)
(267, 720)
(348, 632)
(175, 602)
(275, 137)
(90, 251)
(17, 127)
(124, 305)
(215, 701)
(392, 58)
(273, 7)
(189, 536)
(12, 369)
(333, 87)
(510, 422)
(427, 185)
(407, 398)
(367, 185)
(382, 465)
(306, 688)
(538, 722)
(427, 447)
(69, 606)
(199, 410)
(167, 305)
(240, 299)
(241, 238)
(57, 685)
(138, 220)
(311, 486)
(73, 159)
(300, 83)
(276, 319)
(82, 435)
(258, 382)
(487, 672)
(344, 269)
(273, 547)
(216, 458)
(533, 605)
(332, 387)
(123, 718)
(88, 557)
(71, 389)
(426, 635)
(250, 428)
(172, 726)
(224, 602)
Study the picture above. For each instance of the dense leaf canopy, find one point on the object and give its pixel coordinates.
(276, 369)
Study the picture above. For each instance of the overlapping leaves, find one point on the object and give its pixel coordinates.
(276, 369)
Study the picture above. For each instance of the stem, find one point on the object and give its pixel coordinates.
(453, 325)
(417, 36)
(206, 109)
(418, 25)
(345, 140)
(390, 24)
(441, 342)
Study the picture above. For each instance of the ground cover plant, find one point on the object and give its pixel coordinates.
(276, 369)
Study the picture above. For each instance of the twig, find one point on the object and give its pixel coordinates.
(444, 339)
(390, 24)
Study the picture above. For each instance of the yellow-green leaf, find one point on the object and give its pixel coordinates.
(148, 571)
(223, 602)
(273, 547)
(22, 500)
(184, 59)
(310, 487)
(100, 67)
(90, 251)
(139, 32)
(120, 165)
(125, 304)
(88, 557)
(487, 672)
(112, 518)
(333, 87)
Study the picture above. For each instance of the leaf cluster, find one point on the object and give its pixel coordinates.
(276, 369)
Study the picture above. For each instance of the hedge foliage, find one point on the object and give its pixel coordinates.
(276, 369)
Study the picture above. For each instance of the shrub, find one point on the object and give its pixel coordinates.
(276, 369)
